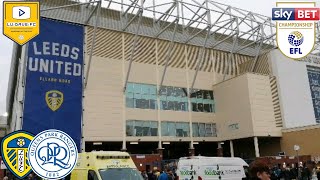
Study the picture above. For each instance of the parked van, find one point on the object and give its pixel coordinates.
(211, 168)
(105, 165)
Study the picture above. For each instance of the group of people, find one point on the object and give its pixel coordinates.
(260, 170)
(168, 174)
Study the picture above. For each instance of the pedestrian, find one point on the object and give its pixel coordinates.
(293, 172)
(171, 175)
(157, 173)
(259, 170)
(151, 175)
(164, 175)
(144, 175)
(286, 172)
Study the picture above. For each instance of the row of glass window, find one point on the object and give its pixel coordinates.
(144, 96)
(314, 82)
(169, 128)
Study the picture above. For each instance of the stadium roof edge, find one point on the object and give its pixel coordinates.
(234, 30)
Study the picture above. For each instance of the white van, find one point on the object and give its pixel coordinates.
(211, 168)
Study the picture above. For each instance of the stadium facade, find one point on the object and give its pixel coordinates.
(162, 85)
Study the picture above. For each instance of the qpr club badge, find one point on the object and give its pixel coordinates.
(295, 25)
(52, 154)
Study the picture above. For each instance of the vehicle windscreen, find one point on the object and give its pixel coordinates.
(120, 174)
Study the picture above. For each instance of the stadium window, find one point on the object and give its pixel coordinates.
(153, 128)
(177, 106)
(194, 107)
(137, 88)
(129, 128)
(200, 107)
(179, 130)
(146, 128)
(208, 130)
(129, 95)
(141, 128)
(164, 105)
(212, 107)
(168, 128)
(153, 104)
(211, 94)
(145, 102)
(206, 94)
(214, 130)
(186, 129)
(163, 91)
(170, 91)
(164, 128)
(195, 129)
(199, 94)
(145, 89)
(171, 105)
(177, 92)
(130, 102)
(206, 108)
(130, 87)
(184, 104)
(144, 96)
(172, 128)
(202, 129)
(138, 128)
(153, 89)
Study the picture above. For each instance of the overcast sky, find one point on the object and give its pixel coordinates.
(258, 6)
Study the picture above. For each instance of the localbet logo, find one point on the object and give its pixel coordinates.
(21, 20)
(295, 28)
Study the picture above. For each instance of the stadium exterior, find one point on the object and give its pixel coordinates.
(177, 84)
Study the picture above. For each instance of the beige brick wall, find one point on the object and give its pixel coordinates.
(103, 100)
(233, 107)
(246, 101)
(306, 137)
(262, 110)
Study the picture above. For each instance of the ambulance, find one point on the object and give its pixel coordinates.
(211, 168)
(105, 165)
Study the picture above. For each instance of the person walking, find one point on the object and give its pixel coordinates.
(144, 175)
(259, 170)
(171, 175)
(164, 175)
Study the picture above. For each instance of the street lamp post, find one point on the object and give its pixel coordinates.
(297, 148)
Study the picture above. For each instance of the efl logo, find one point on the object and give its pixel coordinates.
(291, 14)
(21, 12)
(295, 28)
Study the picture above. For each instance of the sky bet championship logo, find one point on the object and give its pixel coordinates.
(295, 27)
(51, 154)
